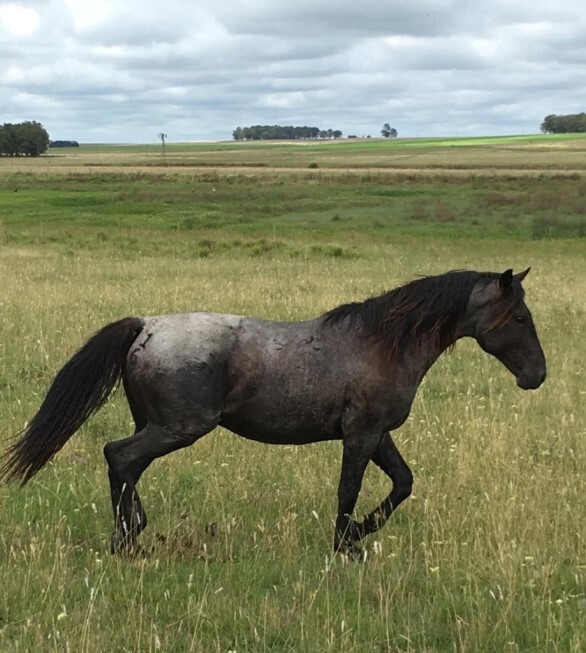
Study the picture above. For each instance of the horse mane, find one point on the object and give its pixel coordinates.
(424, 311)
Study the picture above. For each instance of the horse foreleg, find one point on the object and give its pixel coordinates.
(127, 460)
(388, 458)
(357, 452)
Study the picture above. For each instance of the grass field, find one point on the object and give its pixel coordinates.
(487, 555)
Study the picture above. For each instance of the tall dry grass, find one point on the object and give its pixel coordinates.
(488, 554)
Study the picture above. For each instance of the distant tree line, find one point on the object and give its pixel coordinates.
(28, 138)
(570, 124)
(273, 132)
(63, 144)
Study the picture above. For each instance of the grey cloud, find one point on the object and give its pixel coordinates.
(198, 70)
(344, 17)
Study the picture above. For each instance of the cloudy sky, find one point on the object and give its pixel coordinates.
(125, 70)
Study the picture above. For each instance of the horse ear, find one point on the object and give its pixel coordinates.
(521, 275)
(506, 281)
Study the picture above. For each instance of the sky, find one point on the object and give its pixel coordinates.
(123, 71)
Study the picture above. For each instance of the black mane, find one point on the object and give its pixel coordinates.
(427, 308)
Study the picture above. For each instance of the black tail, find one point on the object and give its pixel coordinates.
(79, 390)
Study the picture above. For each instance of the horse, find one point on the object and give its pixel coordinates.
(350, 374)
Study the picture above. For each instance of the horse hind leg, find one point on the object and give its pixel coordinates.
(127, 460)
(139, 418)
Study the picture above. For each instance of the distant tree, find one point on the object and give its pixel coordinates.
(63, 144)
(9, 140)
(573, 123)
(27, 138)
(547, 126)
(388, 132)
(288, 132)
(35, 139)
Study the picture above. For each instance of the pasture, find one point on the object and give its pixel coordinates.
(487, 555)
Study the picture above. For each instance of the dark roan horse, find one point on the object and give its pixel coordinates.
(350, 375)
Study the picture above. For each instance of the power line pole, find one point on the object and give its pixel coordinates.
(163, 138)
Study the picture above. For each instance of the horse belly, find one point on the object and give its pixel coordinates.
(274, 434)
(283, 385)
(289, 419)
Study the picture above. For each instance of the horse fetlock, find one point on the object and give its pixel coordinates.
(123, 539)
(373, 522)
(124, 543)
(347, 532)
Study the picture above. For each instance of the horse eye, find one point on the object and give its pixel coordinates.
(520, 319)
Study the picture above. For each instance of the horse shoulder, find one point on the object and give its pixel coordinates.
(378, 398)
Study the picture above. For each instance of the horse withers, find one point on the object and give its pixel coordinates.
(350, 375)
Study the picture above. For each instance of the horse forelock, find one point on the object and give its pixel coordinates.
(426, 311)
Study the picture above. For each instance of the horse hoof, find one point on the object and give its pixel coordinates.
(117, 543)
(124, 545)
(355, 552)
(351, 550)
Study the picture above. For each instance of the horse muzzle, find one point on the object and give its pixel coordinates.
(531, 381)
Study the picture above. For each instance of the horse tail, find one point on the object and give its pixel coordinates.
(80, 388)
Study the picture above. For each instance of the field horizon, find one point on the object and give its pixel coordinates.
(407, 140)
(512, 155)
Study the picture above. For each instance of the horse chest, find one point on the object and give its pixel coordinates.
(375, 408)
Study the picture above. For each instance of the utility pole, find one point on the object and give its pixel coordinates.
(162, 137)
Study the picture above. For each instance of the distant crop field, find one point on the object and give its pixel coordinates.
(515, 155)
(488, 553)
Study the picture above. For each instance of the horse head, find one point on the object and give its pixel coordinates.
(500, 321)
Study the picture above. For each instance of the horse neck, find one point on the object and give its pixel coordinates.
(425, 356)
(414, 361)
(427, 353)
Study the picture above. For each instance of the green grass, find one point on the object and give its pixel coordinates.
(487, 555)
(349, 208)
